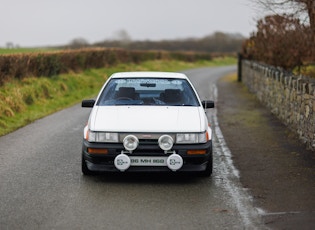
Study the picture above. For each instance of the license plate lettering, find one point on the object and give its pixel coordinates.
(147, 161)
(134, 161)
(158, 161)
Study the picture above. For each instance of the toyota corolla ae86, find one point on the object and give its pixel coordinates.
(147, 121)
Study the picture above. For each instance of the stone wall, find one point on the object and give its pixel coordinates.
(291, 98)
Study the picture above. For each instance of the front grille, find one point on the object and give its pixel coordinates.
(143, 152)
(146, 138)
(147, 148)
(148, 142)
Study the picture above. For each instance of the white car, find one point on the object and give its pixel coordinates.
(147, 121)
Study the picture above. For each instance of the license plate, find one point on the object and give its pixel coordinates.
(147, 161)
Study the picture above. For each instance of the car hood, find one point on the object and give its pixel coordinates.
(148, 119)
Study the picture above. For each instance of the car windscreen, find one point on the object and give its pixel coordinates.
(148, 91)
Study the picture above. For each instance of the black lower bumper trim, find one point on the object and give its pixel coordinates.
(112, 168)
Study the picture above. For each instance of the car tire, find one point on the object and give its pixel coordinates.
(209, 168)
(85, 169)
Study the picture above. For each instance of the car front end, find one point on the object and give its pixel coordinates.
(148, 152)
(147, 132)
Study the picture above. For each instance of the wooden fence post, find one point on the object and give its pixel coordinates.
(239, 67)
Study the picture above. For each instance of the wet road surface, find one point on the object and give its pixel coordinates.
(42, 186)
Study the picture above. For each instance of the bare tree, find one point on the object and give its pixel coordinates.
(122, 35)
(9, 45)
(79, 43)
(299, 8)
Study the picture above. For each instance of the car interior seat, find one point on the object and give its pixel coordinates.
(172, 96)
(126, 92)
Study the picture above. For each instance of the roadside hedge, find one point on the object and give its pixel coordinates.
(49, 64)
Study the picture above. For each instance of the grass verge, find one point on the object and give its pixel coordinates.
(24, 101)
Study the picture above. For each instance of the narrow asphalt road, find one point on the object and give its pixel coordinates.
(42, 186)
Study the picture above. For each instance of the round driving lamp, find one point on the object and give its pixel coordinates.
(166, 142)
(130, 142)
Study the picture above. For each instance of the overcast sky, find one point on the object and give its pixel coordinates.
(30, 23)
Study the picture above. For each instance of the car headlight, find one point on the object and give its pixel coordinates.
(191, 138)
(93, 136)
(166, 142)
(130, 142)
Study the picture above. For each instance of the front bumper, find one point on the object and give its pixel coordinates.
(105, 162)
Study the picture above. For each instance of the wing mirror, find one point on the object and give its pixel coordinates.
(88, 103)
(207, 104)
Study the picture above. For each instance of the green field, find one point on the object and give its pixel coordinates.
(23, 101)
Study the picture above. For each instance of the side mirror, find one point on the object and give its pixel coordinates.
(207, 104)
(88, 103)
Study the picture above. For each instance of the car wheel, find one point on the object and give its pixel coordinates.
(209, 168)
(85, 169)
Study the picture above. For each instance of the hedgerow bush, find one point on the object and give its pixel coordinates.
(20, 66)
(281, 41)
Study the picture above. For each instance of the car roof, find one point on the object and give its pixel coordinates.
(149, 74)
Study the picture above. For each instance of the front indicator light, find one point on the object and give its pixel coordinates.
(207, 136)
(197, 152)
(97, 151)
(86, 132)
